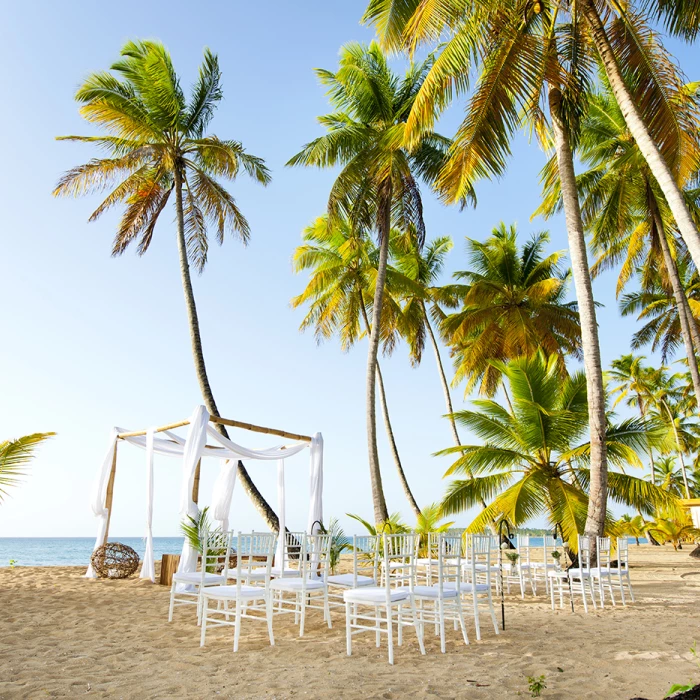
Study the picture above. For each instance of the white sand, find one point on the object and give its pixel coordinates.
(64, 636)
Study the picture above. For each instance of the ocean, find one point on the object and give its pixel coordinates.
(72, 551)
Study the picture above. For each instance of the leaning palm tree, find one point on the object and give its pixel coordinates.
(527, 55)
(343, 264)
(626, 213)
(632, 527)
(377, 186)
(15, 455)
(668, 476)
(634, 384)
(158, 148)
(533, 459)
(512, 303)
(423, 303)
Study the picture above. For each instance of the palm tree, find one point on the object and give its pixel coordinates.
(377, 186)
(158, 145)
(659, 311)
(635, 386)
(532, 460)
(626, 212)
(15, 455)
(632, 527)
(512, 304)
(527, 55)
(424, 267)
(674, 531)
(343, 262)
(668, 476)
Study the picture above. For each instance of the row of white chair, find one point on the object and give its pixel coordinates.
(380, 591)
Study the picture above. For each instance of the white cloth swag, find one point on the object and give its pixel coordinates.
(192, 450)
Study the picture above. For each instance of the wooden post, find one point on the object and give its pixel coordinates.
(195, 483)
(168, 566)
(110, 492)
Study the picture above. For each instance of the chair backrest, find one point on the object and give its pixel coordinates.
(584, 552)
(479, 563)
(366, 552)
(292, 554)
(523, 546)
(316, 556)
(399, 560)
(449, 563)
(253, 552)
(603, 549)
(623, 561)
(216, 553)
(548, 546)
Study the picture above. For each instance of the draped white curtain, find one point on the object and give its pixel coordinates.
(192, 450)
(148, 568)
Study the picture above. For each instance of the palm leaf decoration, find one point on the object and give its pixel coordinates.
(15, 456)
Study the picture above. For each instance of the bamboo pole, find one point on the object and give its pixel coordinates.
(110, 493)
(195, 483)
(138, 433)
(259, 429)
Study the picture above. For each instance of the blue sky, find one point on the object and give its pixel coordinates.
(91, 341)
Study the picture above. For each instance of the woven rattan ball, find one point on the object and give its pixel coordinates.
(114, 560)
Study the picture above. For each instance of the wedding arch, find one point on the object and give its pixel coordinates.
(192, 449)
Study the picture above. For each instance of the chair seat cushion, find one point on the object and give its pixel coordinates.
(578, 573)
(557, 573)
(434, 592)
(347, 581)
(542, 565)
(296, 584)
(275, 571)
(599, 571)
(196, 577)
(248, 592)
(375, 594)
(467, 587)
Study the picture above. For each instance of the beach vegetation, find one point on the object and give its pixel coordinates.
(15, 456)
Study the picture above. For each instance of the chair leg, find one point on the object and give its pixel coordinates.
(418, 626)
(327, 608)
(441, 616)
(399, 626)
(237, 628)
(390, 634)
(205, 610)
(522, 585)
(172, 602)
(460, 615)
(493, 613)
(302, 615)
(378, 617)
(476, 616)
(551, 593)
(348, 628)
(269, 611)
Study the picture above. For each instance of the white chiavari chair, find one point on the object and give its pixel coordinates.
(187, 587)
(376, 604)
(478, 571)
(250, 550)
(580, 576)
(296, 594)
(601, 574)
(443, 598)
(365, 569)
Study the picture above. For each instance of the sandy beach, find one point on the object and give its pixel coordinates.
(65, 636)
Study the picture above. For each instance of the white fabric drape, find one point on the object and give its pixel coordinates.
(223, 492)
(315, 484)
(191, 454)
(148, 567)
(99, 494)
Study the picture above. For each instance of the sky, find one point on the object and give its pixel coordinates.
(92, 341)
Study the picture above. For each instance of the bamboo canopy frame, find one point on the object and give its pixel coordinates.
(179, 424)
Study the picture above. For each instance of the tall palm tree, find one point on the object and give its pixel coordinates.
(425, 267)
(527, 55)
(668, 476)
(377, 186)
(15, 455)
(343, 263)
(158, 146)
(626, 212)
(512, 303)
(659, 311)
(635, 386)
(531, 460)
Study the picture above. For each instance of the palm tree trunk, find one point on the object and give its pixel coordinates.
(598, 488)
(679, 449)
(642, 413)
(681, 301)
(392, 444)
(387, 421)
(443, 378)
(200, 368)
(640, 133)
(381, 514)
